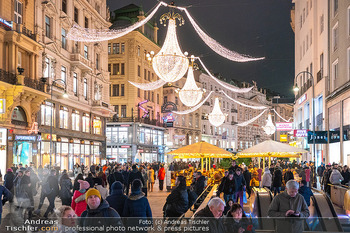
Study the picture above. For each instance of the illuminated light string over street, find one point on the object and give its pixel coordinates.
(195, 107)
(281, 116)
(244, 105)
(78, 33)
(245, 123)
(149, 86)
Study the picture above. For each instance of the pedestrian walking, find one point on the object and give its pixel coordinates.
(4, 194)
(240, 185)
(8, 183)
(66, 190)
(150, 178)
(177, 202)
(134, 175)
(145, 179)
(117, 198)
(266, 179)
(247, 176)
(229, 187)
(161, 177)
(277, 180)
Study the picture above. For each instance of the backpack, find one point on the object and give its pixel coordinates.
(46, 189)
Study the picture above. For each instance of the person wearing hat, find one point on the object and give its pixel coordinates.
(137, 204)
(99, 213)
(117, 198)
(78, 202)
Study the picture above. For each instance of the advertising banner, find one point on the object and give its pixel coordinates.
(321, 137)
(284, 126)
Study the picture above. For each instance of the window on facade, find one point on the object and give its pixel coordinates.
(176, 100)
(18, 12)
(145, 74)
(114, 48)
(75, 120)
(157, 98)
(165, 99)
(76, 15)
(335, 6)
(109, 68)
(47, 26)
(85, 89)
(144, 95)
(122, 68)
(97, 125)
(63, 117)
(138, 51)
(118, 48)
(64, 6)
(86, 52)
(321, 64)
(149, 95)
(152, 96)
(122, 90)
(86, 123)
(139, 71)
(335, 70)
(123, 48)
(116, 109)
(63, 73)
(109, 48)
(86, 22)
(75, 84)
(115, 90)
(48, 110)
(64, 38)
(304, 15)
(47, 68)
(138, 92)
(149, 76)
(115, 70)
(97, 61)
(123, 111)
(335, 33)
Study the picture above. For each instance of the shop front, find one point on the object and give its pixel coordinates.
(24, 149)
(3, 149)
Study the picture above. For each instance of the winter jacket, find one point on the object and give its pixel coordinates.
(53, 181)
(336, 177)
(104, 215)
(214, 225)
(117, 198)
(239, 182)
(277, 178)
(8, 180)
(229, 186)
(145, 177)
(135, 174)
(320, 170)
(178, 201)
(137, 205)
(345, 175)
(266, 180)
(306, 193)
(116, 176)
(78, 202)
(199, 185)
(4, 192)
(288, 176)
(247, 177)
(150, 175)
(161, 173)
(232, 226)
(103, 191)
(281, 204)
(66, 189)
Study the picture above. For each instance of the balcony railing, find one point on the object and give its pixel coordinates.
(233, 110)
(28, 33)
(155, 122)
(234, 122)
(8, 77)
(35, 84)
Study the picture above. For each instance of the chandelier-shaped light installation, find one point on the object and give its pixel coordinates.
(149, 86)
(269, 128)
(190, 95)
(170, 64)
(216, 117)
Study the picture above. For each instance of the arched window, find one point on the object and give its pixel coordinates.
(19, 117)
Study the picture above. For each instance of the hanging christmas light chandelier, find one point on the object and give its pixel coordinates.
(269, 128)
(170, 64)
(216, 117)
(190, 95)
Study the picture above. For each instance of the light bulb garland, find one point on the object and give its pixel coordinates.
(149, 86)
(269, 128)
(216, 117)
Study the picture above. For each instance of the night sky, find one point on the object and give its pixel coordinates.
(259, 28)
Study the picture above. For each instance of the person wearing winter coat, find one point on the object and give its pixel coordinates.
(145, 179)
(199, 183)
(8, 183)
(78, 203)
(288, 175)
(266, 179)
(240, 185)
(26, 184)
(336, 177)
(289, 204)
(326, 179)
(277, 180)
(137, 204)
(134, 175)
(53, 193)
(76, 184)
(103, 177)
(345, 174)
(247, 176)
(66, 190)
(305, 191)
(236, 221)
(117, 198)
(4, 194)
(161, 177)
(91, 180)
(177, 202)
(150, 178)
(67, 221)
(103, 191)
(115, 176)
(98, 213)
(229, 187)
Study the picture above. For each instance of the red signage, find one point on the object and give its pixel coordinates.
(125, 146)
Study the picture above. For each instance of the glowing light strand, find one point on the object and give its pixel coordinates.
(149, 86)
(281, 116)
(245, 123)
(244, 105)
(234, 89)
(194, 108)
(78, 33)
(215, 46)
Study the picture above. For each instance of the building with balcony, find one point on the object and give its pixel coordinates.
(75, 125)
(127, 61)
(181, 130)
(311, 55)
(21, 92)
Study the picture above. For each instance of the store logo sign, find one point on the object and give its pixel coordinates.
(25, 138)
(283, 138)
(142, 108)
(284, 126)
(6, 24)
(34, 129)
(300, 133)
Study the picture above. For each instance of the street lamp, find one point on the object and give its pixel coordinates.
(296, 90)
(64, 95)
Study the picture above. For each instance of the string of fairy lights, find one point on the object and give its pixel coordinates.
(170, 64)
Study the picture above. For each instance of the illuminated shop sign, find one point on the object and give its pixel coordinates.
(6, 24)
(2, 106)
(25, 138)
(334, 136)
(284, 126)
(320, 137)
(169, 118)
(143, 109)
(283, 138)
(300, 133)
